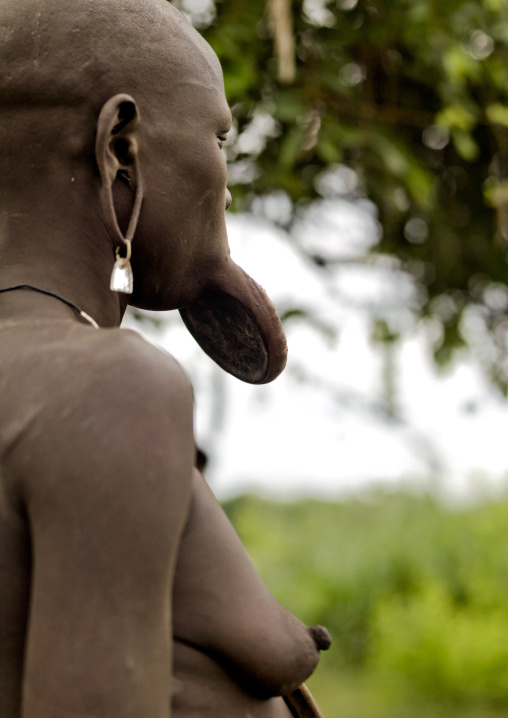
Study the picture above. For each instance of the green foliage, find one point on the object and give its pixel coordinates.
(442, 649)
(415, 595)
(411, 94)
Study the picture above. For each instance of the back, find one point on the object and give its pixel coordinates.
(96, 454)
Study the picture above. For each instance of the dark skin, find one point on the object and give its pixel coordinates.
(118, 568)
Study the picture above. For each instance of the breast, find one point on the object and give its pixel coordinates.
(203, 687)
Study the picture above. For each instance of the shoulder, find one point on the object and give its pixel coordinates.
(112, 403)
(119, 368)
(127, 352)
(124, 379)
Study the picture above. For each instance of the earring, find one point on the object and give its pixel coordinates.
(122, 279)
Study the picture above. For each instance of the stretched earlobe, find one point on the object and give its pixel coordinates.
(116, 152)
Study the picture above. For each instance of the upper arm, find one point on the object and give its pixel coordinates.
(107, 497)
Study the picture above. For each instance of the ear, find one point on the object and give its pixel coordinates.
(116, 147)
(116, 154)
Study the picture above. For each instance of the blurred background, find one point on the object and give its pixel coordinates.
(368, 163)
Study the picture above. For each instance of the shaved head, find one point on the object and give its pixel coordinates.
(59, 53)
(65, 58)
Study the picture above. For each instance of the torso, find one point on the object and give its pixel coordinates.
(38, 369)
(38, 362)
(20, 402)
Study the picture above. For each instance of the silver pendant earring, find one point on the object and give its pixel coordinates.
(122, 279)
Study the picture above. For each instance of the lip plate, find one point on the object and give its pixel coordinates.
(236, 324)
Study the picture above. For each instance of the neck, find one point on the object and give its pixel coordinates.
(70, 256)
(30, 287)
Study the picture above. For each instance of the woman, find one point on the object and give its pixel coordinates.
(118, 568)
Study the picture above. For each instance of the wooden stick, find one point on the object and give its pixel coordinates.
(302, 704)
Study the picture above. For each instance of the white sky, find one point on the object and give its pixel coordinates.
(327, 435)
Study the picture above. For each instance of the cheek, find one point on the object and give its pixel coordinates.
(185, 197)
(191, 175)
(206, 168)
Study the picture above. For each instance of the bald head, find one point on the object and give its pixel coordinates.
(63, 60)
(62, 53)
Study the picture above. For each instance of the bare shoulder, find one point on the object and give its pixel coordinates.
(109, 403)
(122, 357)
(116, 372)
(120, 378)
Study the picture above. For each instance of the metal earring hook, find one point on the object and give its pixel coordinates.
(122, 278)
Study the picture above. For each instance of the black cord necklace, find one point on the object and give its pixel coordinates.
(81, 313)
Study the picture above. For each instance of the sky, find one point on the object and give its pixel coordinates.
(322, 428)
